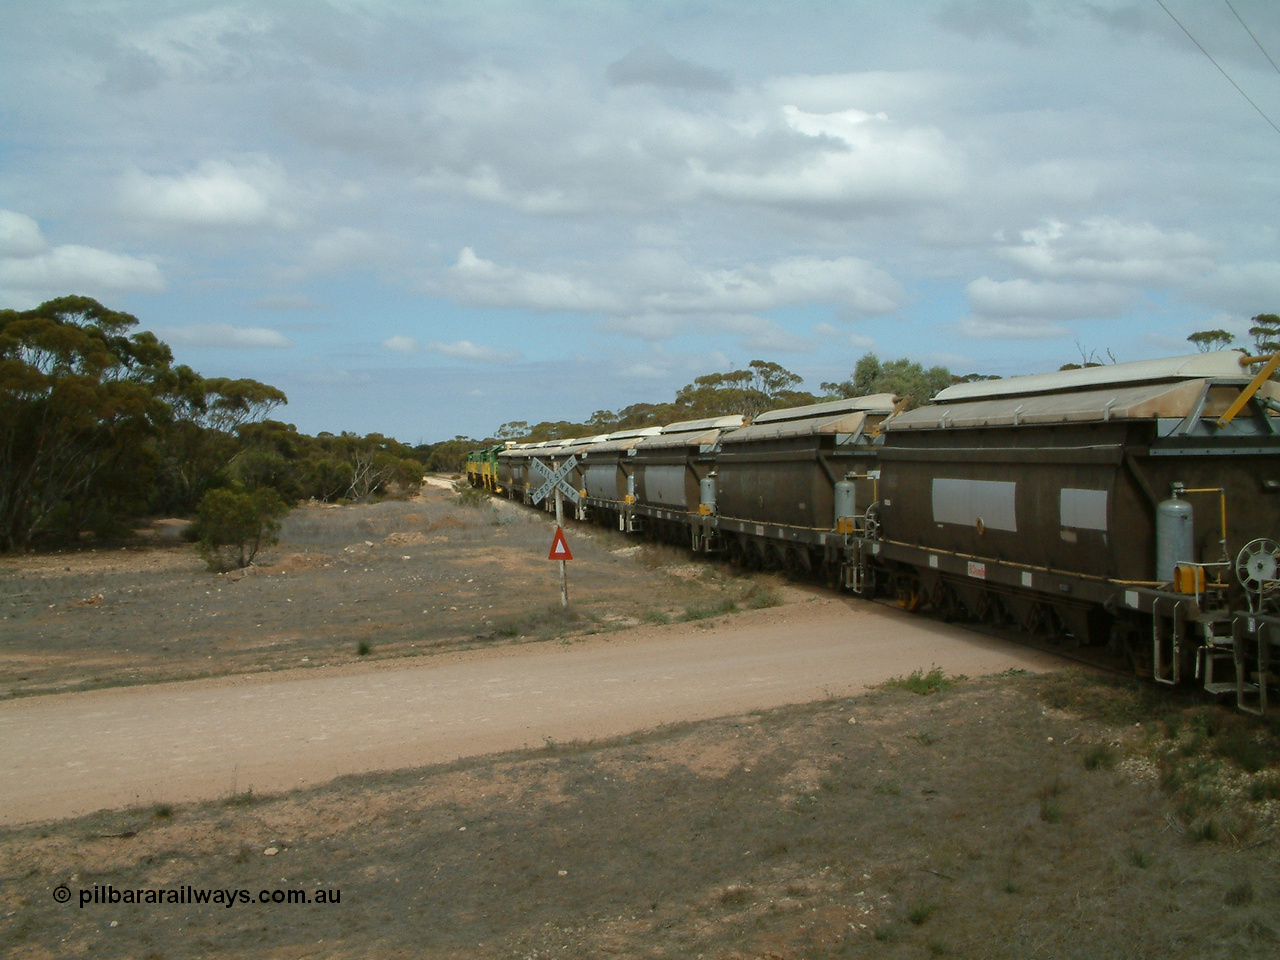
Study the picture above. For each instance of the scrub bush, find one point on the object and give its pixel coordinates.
(234, 525)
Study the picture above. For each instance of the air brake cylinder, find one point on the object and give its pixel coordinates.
(846, 497)
(707, 495)
(1175, 539)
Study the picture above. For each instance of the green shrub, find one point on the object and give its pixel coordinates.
(921, 912)
(465, 495)
(922, 683)
(234, 525)
(760, 597)
(1265, 788)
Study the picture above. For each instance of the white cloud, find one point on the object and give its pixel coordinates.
(20, 235)
(401, 344)
(658, 296)
(224, 335)
(1011, 20)
(651, 64)
(1098, 268)
(653, 291)
(26, 280)
(753, 332)
(203, 44)
(344, 247)
(846, 157)
(1109, 250)
(861, 342)
(551, 141)
(1245, 288)
(466, 350)
(286, 301)
(337, 377)
(1012, 328)
(485, 283)
(846, 281)
(644, 371)
(824, 93)
(216, 193)
(1047, 300)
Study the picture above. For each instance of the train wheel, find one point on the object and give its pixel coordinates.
(831, 575)
(1043, 621)
(990, 609)
(733, 549)
(1133, 643)
(943, 599)
(910, 596)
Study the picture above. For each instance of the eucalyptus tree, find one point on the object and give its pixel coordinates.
(78, 398)
(903, 377)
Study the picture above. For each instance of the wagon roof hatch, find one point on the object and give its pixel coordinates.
(1175, 401)
(847, 417)
(875, 403)
(1221, 365)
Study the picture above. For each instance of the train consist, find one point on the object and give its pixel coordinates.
(1130, 509)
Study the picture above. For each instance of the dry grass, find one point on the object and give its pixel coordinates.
(363, 581)
(966, 823)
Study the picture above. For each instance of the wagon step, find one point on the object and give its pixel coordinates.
(1252, 697)
(1226, 668)
(1168, 631)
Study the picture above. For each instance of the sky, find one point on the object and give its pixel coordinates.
(426, 219)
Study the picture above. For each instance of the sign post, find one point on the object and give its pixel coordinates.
(555, 480)
(564, 575)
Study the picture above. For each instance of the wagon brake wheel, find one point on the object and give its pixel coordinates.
(1258, 563)
(1258, 566)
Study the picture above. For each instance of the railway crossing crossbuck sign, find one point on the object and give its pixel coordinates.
(555, 479)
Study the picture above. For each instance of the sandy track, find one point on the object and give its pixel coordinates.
(71, 754)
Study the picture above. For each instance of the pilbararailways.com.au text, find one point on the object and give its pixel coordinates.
(98, 895)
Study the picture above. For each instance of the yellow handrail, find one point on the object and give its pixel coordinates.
(1269, 367)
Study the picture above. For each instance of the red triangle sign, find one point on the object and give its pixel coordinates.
(559, 548)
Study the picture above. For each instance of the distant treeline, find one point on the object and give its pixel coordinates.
(98, 427)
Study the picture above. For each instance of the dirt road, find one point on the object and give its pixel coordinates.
(65, 755)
